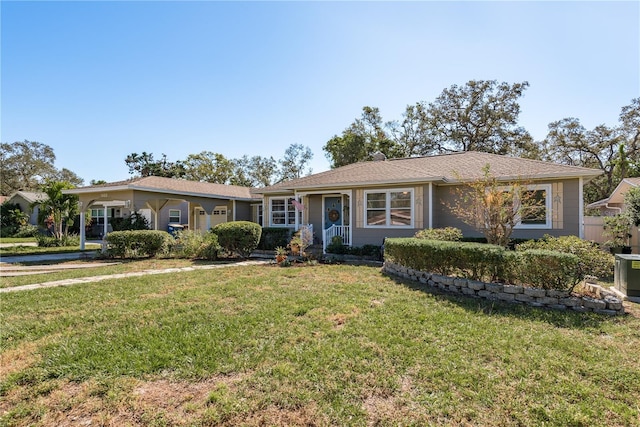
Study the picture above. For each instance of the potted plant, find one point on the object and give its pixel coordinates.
(281, 254)
(295, 244)
(617, 229)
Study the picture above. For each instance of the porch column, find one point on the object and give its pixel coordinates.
(105, 225)
(207, 220)
(296, 222)
(430, 205)
(234, 210)
(82, 231)
(580, 208)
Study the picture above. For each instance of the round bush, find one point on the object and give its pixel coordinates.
(241, 237)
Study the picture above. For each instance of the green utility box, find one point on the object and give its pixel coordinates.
(627, 274)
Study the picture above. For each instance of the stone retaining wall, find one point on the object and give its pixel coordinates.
(607, 303)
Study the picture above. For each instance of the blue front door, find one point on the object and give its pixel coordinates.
(332, 211)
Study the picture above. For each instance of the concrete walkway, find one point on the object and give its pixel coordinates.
(92, 279)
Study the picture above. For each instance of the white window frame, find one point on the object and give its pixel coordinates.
(547, 205)
(179, 216)
(387, 193)
(288, 208)
(99, 218)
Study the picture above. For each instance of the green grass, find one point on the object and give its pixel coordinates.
(17, 239)
(321, 345)
(122, 266)
(35, 250)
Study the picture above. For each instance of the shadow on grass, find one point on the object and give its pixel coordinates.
(558, 318)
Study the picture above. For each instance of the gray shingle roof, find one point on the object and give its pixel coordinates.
(174, 186)
(463, 166)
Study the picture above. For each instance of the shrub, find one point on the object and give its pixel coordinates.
(549, 269)
(477, 261)
(472, 260)
(241, 237)
(193, 244)
(272, 237)
(210, 248)
(336, 246)
(135, 221)
(11, 219)
(54, 242)
(450, 234)
(27, 230)
(138, 243)
(593, 260)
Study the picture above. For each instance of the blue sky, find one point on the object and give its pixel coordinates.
(97, 81)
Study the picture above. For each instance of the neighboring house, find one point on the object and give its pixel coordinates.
(28, 202)
(366, 202)
(612, 205)
(164, 201)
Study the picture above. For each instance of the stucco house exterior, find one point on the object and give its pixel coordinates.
(28, 202)
(164, 201)
(368, 201)
(612, 205)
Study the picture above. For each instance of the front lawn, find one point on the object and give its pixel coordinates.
(18, 249)
(313, 345)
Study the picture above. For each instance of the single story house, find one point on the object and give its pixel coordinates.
(28, 202)
(368, 201)
(614, 204)
(165, 201)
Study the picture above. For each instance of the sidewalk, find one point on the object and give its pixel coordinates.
(48, 257)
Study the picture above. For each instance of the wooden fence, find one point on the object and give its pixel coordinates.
(594, 228)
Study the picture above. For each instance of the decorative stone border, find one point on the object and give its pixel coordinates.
(607, 303)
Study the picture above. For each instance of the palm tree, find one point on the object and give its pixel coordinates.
(58, 210)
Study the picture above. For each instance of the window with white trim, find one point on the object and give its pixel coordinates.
(174, 216)
(97, 216)
(535, 209)
(283, 213)
(389, 208)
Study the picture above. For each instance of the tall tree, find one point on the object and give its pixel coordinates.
(69, 176)
(482, 115)
(361, 140)
(25, 165)
(632, 202)
(295, 162)
(59, 210)
(208, 166)
(144, 165)
(614, 150)
(412, 133)
(255, 171)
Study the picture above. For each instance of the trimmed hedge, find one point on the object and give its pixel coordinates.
(138, 243)
(450, 234)
(548, 269)
(272, 237)
(241, 237)
(477, 261)
(594, 261)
